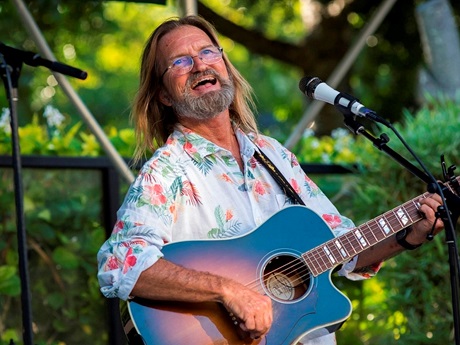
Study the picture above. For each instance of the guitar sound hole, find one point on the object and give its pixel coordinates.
(286, 278)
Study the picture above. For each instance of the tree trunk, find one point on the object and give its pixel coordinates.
(441, 48)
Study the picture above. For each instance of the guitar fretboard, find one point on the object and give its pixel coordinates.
(342, 248)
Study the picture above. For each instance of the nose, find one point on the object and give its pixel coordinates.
(198, 64)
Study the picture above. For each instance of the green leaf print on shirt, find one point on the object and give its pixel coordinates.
(226, 225)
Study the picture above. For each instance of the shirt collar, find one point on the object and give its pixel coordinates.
(198, 147)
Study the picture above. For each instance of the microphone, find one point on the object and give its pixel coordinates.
(33, 59)
(315, 88)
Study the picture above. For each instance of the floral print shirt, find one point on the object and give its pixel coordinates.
(194, 189)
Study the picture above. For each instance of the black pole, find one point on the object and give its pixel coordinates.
(10, 72)
(11, 60)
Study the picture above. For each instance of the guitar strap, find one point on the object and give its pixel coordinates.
(276, 174)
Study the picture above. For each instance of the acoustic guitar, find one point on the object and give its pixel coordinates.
(289, 258)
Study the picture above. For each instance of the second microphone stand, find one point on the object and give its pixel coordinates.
(448, 212)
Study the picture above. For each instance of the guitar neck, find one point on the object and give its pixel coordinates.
(340, 249)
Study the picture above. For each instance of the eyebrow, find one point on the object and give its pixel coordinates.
(181, 55)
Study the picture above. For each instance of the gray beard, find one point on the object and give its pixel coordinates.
(206, 106)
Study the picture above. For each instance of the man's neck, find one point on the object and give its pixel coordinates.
(218, 130)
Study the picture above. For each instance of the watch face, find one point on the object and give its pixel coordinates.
(401, 234)
(401, 239)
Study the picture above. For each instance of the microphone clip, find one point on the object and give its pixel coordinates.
(344, 103)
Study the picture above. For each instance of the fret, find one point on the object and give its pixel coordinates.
(341, 249)
(393, 221)
(334, 250)
(402, 216)
(368, 234)
(350, 247)
(323, 264)
(316, 269)
(376, 230)
(329, 255)
(384, 226)
(361, 239)
(413, 212)
(310, 264)
(308, 257)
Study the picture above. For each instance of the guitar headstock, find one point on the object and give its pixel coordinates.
(451, 181)
(451, 189)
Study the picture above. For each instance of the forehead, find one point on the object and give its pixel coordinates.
(183, 40)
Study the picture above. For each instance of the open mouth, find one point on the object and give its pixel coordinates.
(207, 80)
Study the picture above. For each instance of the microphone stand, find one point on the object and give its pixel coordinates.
(450, 201)
(11, 60)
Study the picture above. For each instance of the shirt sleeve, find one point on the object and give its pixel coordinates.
(135, 244)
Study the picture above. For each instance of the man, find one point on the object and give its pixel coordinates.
(204, 181)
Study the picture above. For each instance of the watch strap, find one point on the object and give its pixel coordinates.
(401, 239)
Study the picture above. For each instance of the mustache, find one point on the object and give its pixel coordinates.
(209, 72)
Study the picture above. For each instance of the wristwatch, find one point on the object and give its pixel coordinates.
(401, 239)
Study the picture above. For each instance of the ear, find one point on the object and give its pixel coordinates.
(165, 98)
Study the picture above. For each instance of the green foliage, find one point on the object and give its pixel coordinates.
(64, 233)
(104, 39)
(338, 148)
(56, 136)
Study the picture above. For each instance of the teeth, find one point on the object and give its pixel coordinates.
(205, 80)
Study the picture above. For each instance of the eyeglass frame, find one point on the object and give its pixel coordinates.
(220, 49)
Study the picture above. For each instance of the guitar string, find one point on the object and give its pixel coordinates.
(290, 269)
(300, 269)
(372, 227)
(316, 253)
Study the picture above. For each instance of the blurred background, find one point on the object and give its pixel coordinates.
(400, 58)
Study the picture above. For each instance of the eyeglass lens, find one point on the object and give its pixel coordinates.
(184, 64)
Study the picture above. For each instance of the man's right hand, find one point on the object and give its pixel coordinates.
(253, 310)
(165, 280)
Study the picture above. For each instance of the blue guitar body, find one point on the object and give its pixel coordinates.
(303, 304)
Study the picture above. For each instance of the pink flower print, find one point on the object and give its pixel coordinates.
(294, 161)
(261, 142)
(332, 220)
(188, 147)
(156, 195)
(173, 211)
(130, 260)
(253, 163)
(259, 188)
(295, 185)
(118, 226)
(228, 215)
(225, 178)
(111, 264)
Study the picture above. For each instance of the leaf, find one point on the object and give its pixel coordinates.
(45, 214)
(65, 258)
(9, 281)
(55, 300)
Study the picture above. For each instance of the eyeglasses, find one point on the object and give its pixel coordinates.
(184, 64)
